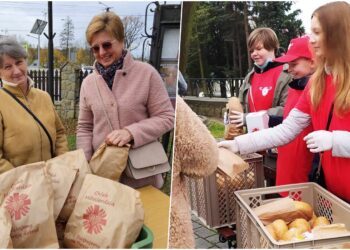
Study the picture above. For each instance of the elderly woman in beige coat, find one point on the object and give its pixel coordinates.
(22, 139)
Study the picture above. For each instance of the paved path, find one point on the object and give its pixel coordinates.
(206, 238)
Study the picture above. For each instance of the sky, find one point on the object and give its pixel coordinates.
(17, 18)
(307, 8)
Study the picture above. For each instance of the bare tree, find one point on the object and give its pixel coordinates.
(132, 29)
(67, 35)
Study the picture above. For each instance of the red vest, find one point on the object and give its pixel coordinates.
(294, 159)
(336, 169)
(263, 89)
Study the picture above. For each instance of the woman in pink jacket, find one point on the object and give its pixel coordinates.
(327, 91)
(132, 93)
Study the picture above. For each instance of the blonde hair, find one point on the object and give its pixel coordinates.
(334, 19)
(107, 21)
(266, 36)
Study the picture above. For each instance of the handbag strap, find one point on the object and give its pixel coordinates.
(103, 105)
(330, 115)
(35, 118)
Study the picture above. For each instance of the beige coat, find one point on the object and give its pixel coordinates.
(22, 140)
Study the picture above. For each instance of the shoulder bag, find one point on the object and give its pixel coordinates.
(35, 118)
(145, 161)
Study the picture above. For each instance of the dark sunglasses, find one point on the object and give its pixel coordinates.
(104, 45)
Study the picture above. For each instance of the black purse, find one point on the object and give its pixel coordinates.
(317, 174)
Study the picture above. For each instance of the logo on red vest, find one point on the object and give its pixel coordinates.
(265, 90)
(18, 205)
(94, 219)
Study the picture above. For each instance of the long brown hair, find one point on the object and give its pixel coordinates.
(334, 19)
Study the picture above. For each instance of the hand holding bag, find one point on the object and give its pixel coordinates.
(145, 161)
(109, 161)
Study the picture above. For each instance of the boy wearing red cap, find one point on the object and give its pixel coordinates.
(294, 159)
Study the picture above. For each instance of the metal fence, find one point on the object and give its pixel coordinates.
(40, 78)
(79, 77)
(214, 87)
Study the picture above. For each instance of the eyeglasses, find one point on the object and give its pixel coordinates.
(104, 45)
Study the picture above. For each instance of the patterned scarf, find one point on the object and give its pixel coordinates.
(109, 72)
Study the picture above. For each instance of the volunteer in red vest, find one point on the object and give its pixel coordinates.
(328, 86)
(266, 85)
(300, 66)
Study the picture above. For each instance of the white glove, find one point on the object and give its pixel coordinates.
(237, 118)
(319, 141)
(230, 145)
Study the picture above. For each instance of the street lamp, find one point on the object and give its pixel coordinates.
(38, 38)
(38, 29)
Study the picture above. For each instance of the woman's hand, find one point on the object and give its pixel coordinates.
(119, 137)
(230, 145)
(319, 141)
(237, 118)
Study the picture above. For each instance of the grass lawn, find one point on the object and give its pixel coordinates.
(216, 128)
(71, 142)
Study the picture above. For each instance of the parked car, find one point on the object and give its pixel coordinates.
(85, 68)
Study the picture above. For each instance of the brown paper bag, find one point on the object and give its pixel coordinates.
(62, 177)
(329, 231)
(283, 209)
(107, 214)
(75, 160)
(230, 163)
(231, 131)
(109, 161)
(29, 201)
(5, 229)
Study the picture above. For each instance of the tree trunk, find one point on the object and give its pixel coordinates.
(200, 59)
(240, 58)
(234, 48)
(186, 30)
(246, 30)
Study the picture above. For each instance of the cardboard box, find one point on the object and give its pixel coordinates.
(257, 121)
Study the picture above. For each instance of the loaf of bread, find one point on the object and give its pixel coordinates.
(285, 209)
(231, 131)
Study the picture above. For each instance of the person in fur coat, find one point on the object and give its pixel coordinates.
(196, 156)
